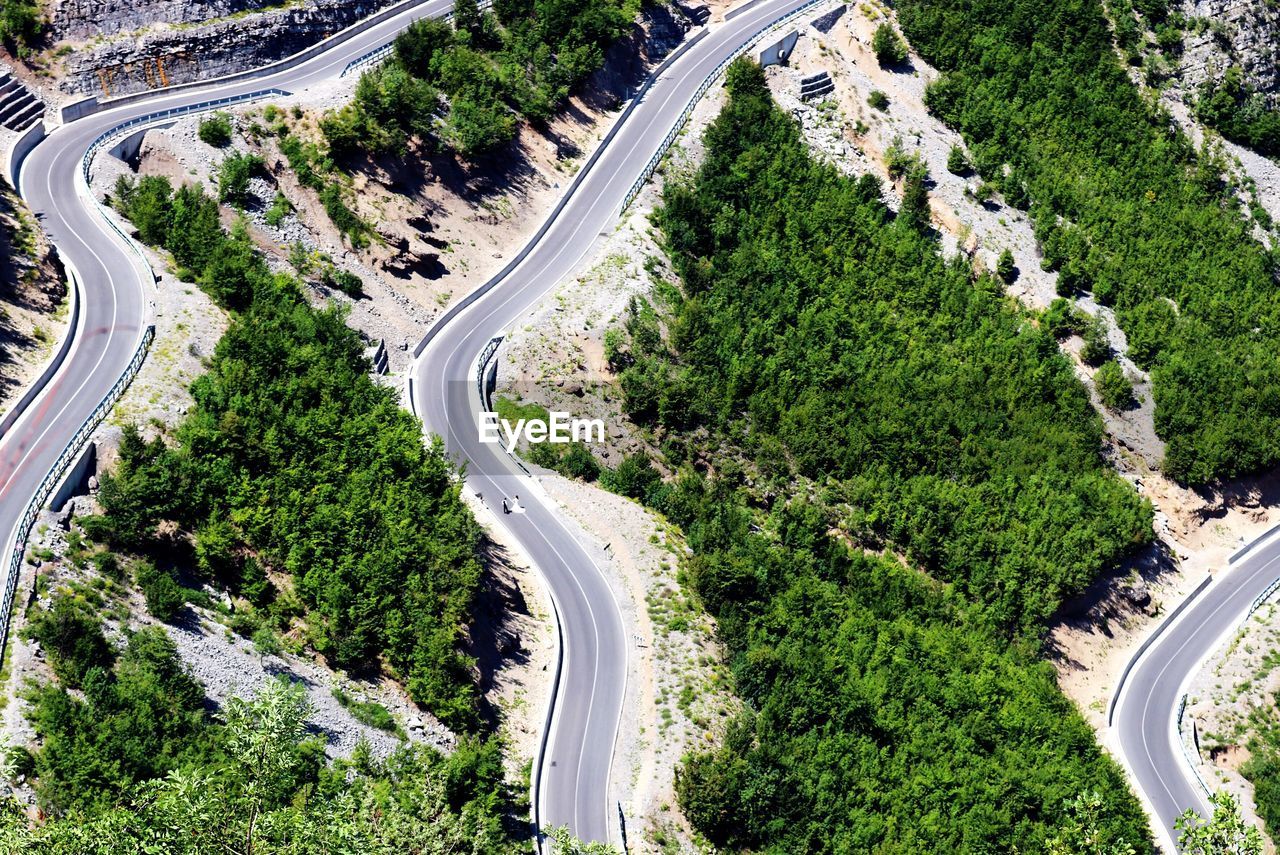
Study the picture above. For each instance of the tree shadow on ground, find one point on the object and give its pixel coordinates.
(495, 641)
(1114, 598)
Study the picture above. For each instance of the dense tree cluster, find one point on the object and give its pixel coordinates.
(139, 767)
(133, 722)
(1240, 113)
(293, 459)
(820, 336)
(818, 330)
(520, 59)
(1124, 208)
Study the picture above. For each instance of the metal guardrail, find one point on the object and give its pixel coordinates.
(1193, 762)
(56, 473)
(482, 365)
(1260, 599)
(706, 84)
(380, 52)
(172, 112)
(111, 134)
(482, 369)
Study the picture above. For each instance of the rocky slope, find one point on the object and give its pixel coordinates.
(165, 55)
(33, 293)
(82, 19)
(1225, 33)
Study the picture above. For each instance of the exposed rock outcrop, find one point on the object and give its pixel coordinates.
(1226, 33)
(165, 56)
(82, 19)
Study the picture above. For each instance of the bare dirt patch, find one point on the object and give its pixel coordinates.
(34, 304)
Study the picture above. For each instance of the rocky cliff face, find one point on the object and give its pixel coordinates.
(1226, 33)
(165, 56)
(83, 19)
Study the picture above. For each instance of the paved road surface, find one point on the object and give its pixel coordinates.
(576, 776)
(1145, 712)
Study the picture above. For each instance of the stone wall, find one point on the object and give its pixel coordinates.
(168, 55)
(84, 19)
(1244, 33)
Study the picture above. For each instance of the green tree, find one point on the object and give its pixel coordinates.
(958, 161)
(1225, 833)
(262, 736)
(20, 24)
(1114, 388)
(1097, 345)
(233, 177)
(1083, 833)
(164, 596)
(1006, 269)
(216, 130)
(71, 638)
(888, 46)
(466, 16)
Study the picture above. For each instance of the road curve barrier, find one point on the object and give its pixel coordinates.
(1192, 762)
(172, 113)
(50, 481)
(109, 135)
(706, 84)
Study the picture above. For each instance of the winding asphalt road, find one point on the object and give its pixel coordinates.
(1144, 718)
(573, 784)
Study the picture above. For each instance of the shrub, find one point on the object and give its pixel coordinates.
(369, 713)
(20, 24)
(888, 45)
(1006, 269)
(958, 161)
(266, 642)
(1114, 388)
(635, 477)
(1061, 320)
(72, 638)
(878, 100)
(280, 208)
(343, 218)
(1097, 347)
(233, 177)
(579, 462)
(163, 594)
(216, 130)
(342, 280)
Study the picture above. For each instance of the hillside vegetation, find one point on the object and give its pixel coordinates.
(1240, 113)
(299, 486)
(821, 341)
(519, 60)
(1125, 208)
(294, 461)
(252, 780)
